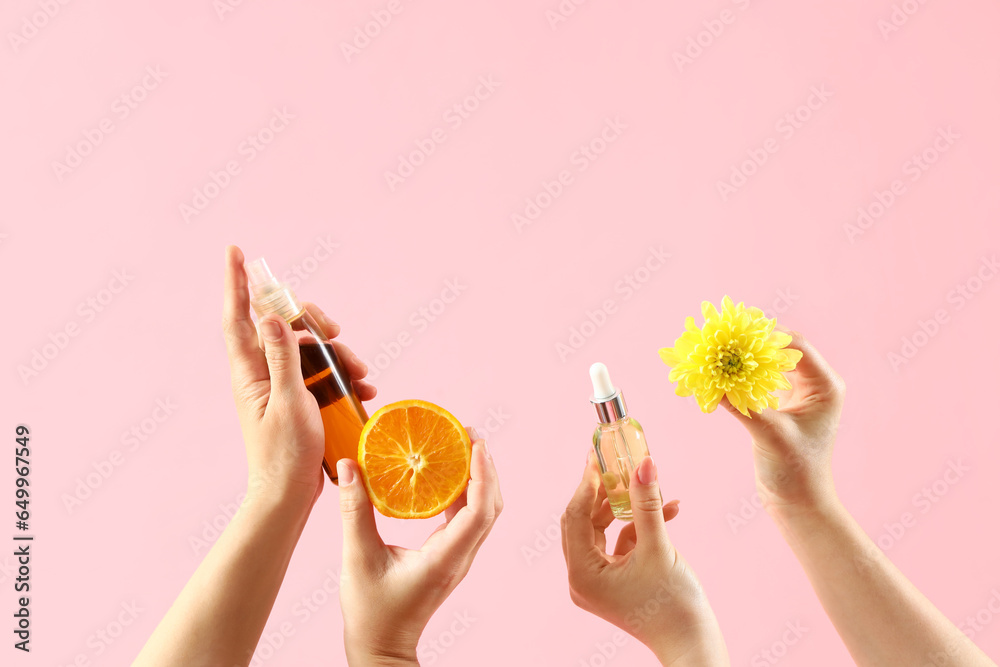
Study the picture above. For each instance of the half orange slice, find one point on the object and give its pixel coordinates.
(414, 458)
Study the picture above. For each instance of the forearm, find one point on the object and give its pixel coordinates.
(219, 616)
(882, 618)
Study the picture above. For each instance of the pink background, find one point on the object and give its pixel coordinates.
(781, 241)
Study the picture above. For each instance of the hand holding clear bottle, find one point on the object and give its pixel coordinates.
(644, 587)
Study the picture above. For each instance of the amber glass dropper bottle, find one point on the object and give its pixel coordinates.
(324, 374)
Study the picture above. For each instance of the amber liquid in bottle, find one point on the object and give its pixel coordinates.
(341, 410)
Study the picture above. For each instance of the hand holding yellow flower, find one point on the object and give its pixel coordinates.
(737, 353)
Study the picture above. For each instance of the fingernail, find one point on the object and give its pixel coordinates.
(486, 450)
(345, 473)
(474, 434)
(647, 471)
(271, 330)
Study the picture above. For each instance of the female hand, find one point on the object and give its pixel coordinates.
(280, 419)
(388, 593)
(645, 587)
(793, 445)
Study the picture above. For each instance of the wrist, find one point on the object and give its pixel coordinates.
(379, 642)
(691, 640)
(710, 650)
(288, 507)
(797, 495)
(366, 655)
(807, 516)
(289, 497)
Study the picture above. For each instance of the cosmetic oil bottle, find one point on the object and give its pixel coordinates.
(618, 440)
(325, 376)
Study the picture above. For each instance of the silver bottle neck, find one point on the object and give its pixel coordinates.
(610, 409)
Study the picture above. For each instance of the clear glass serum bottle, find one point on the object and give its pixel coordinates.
(618, 441)
(324, 374)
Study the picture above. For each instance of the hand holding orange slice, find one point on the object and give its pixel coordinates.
(414, 458)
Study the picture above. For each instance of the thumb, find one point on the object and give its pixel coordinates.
(361, 536)
(647, 508)
(282, 352)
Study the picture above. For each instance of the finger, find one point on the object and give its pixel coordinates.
(812, 366)
(330, 328)
(282, 352)
(364, 390)
(461, 502)
(647, 508)
(756, 424)
(602, 517)
(361, 538)
(466, 532)
(246, 361)
(356, 368)
(602, 495)
(577, 525)
(626, 538)
(475, 437)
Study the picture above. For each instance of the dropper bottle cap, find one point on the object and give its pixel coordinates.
(268, 294)
(608, 400)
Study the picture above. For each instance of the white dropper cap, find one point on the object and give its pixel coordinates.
(603, 389)
(609, 401)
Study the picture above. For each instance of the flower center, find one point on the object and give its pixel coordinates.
(731, 363)
(731, 366)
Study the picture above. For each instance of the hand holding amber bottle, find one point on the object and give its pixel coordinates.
(235, 586)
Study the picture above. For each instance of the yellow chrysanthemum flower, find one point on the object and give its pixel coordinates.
(737, 353)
